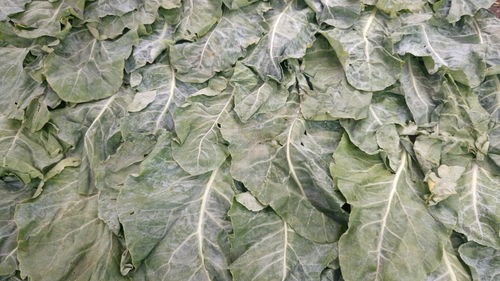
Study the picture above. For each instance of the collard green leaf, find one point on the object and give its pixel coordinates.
(93, 131)
(462, 119)
(83, 68)
(111, 27)
(394, 6)
(115, 7)
(487, 27)
(282, 159)
(61, 237)
(236, 4)
(44, 18)
(152, 45)
(291, 31)
(385, 109)
(112, 173)
(421, 90)
(365, 52)
(200, 147)
(443, 184)
(175, 223)
(10, 7)
(26, 154)
(198, 16)
(329, 96)
(269, 249)
(473, 211)
(221, 47)
(252, 95)
(156, 114)
(457, 8)
(339, 13)
(484, 262)
(17, 87)
(450, 268)
(456, 49)
(388, 220)
(11, 193)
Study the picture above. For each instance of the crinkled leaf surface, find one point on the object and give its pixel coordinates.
(10, 7)
(388, 220)
(451, 268)
(198, 16)
(175, 223)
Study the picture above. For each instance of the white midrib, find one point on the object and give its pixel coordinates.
(415, 86)
(375, 115)
(450, 268)
(428, 43)
(285, 248)
(473, 191)
(213, 126)
(206, 44)
(289, 159)
(478, 30)
(169, 101)
(365, 38)
(201, 219)
(383, 223)
(273, 34)
(14, 140)
(104, 108)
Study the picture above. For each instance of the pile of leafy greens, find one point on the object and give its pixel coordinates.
(255, 140)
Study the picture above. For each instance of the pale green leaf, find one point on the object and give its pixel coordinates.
(175, 223)
(364, 52)
(221, 47)
(391, 235)
(268, 249)
(83, 68)
(291, 31)
(198, 16)
(283, 160)
(484, 262)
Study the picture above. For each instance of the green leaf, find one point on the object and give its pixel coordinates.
(221, 47)
(175, 223)
(26, 154)
(365, 53)
(152, 45)
(474, 210)
(291, 31)
(450, 268)
(483, 261)
(252, 95)
(83, 68)
(65, 224)
(388, 220)
(269, 249)
(282, 159)
(340, 13)
(17, 87)
(44, 18)
(458, 8)
(392, 7)
(456, 49)
(487, 27)
(444, 183)
(385, 109)
(198, 16)
(93, 131)
(11, 193)
(421, 90)
(236, 4)
(329, 96)
(10, 7)
(200, 147)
